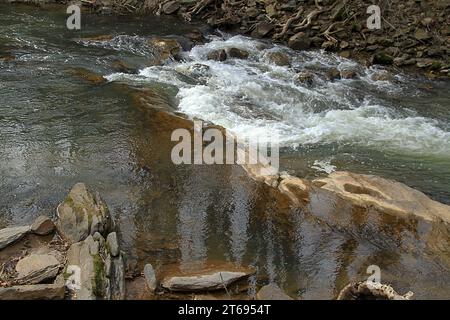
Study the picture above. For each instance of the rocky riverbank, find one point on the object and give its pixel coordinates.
(414, 35)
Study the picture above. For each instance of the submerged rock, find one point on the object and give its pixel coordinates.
(384, 195)
(36, 268)
(304, 78)
(87, 75)
(279, 58)
(82, 214)
(213, 281)
(367, 290)
(237, 53)
(167, 47)
(42, 226)
(11, 235)
(272, 292)
(217, 55)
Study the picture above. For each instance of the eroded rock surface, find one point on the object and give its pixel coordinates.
(384, 195)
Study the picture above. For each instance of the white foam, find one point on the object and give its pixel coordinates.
(255, 98)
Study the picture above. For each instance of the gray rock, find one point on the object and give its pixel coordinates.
(170, 7)
(279, 58)
(213, 281)
(218, 55)
(91, 277)
(299, 41)
(305, 78)
(33, 292)
(42, 226)
(237, 53)
(36, 268)
(117, 279)
(333, 74)
(272, 292)
(150, 277)
(113, 244)
(11, 235)
(82, 214)
(262, 29)
(348, 74)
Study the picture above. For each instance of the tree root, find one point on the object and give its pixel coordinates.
(288, 23)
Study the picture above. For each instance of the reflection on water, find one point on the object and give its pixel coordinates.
(56, 130)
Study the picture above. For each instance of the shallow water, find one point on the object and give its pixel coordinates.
(56, 130)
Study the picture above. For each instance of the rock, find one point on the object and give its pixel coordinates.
(42, 226)
(382, 76)
(237, 53)
(262, 29)
(82, 214)
(348, 74)
(299, 41)
(304, 78)
(382, 58)
(35, 268)
(11, 235)
(113, 244)
(195, 35)
(168, 48)
(279, 58)
(218, 55)
(120, 66)
(426, 22)
(7, 58)
(421, 35)
(213, 281)
(344, 45)
(272, 292)
(295, 188)
(33, 292)
(93, 273)
(333, 74)
(87, 268)
(87, 75)
(116, 277)
(368, 290)
(150, 277)
(384, 195)
(170, 7)
(345, 54)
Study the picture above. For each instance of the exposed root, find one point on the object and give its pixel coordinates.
(288, 23)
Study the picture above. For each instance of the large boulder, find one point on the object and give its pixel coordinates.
(11, 235)
(384, 195)
(82, 214)
(37, 268)
(211, 281)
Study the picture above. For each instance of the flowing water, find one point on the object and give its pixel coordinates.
(56, 130)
